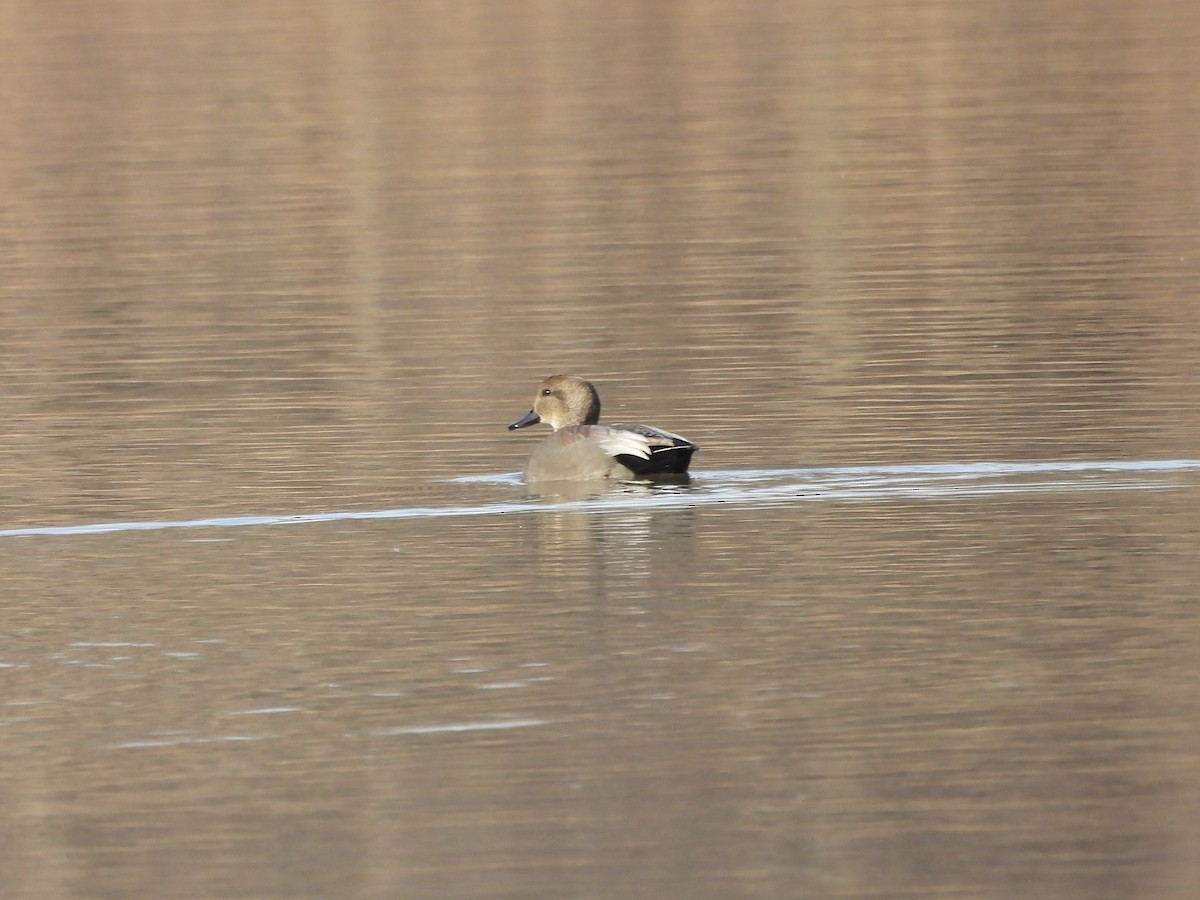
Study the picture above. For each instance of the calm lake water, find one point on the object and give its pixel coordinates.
(280, 618)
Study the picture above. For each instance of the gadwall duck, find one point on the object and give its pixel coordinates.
(582, 450)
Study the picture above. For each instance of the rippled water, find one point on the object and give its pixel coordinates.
(920, 280)
(743, 488)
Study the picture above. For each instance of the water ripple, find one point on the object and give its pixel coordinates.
(743, 487)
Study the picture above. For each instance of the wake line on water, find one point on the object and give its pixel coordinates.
(739, 487)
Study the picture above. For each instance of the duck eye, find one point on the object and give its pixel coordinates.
(547, 392)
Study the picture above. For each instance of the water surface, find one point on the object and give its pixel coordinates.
(281, 621)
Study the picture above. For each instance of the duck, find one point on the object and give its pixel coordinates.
(581, 449)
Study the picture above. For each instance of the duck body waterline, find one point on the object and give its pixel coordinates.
(581, 449)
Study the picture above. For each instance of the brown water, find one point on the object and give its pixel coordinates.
(280, 621)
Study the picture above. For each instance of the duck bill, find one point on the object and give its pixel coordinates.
(530, 418)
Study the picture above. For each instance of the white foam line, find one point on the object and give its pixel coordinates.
(818, 483)
(153, 743)
(454, 728)
(958, 470)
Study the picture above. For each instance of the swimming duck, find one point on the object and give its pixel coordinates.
(581, 449)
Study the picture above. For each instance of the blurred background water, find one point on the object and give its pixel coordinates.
(919, 277)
